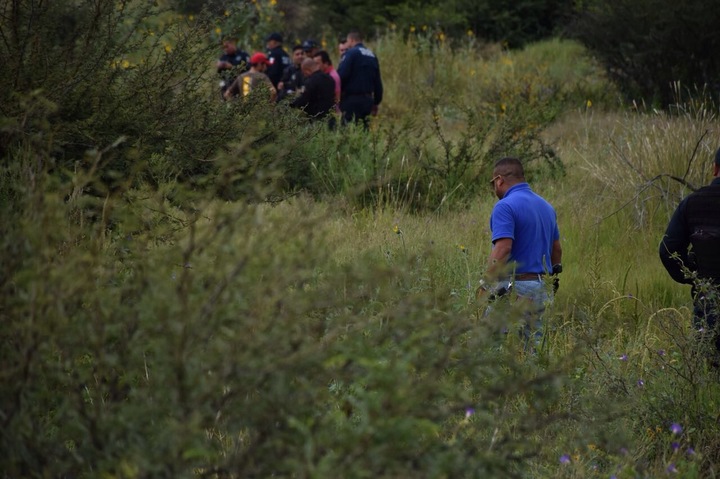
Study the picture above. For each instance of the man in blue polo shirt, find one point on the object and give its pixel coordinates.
(526, 243)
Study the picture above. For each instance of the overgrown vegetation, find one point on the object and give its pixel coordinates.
(193, 288)
(651, 46)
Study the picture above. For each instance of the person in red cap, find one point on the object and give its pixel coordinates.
(252, 79)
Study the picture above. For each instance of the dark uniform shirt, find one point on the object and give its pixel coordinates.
(279, 61)
(318, 97)
(697, 223)
(359, 73)
(240, 60)
(292, 80)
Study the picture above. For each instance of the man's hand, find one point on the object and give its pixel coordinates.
(556, 270)
(492, 292)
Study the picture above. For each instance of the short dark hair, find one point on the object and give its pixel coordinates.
(509, 166)
(298, 47)
(355, 35)
(324, 57)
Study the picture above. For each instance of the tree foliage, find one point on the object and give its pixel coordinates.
(512, 23)
(650, 45)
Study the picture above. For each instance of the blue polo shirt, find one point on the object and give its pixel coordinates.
(531, 223)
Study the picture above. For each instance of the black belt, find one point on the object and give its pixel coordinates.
(528, 276)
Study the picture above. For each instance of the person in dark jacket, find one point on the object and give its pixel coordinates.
(318, 96)
(362, 88)
(291, 82)
(310, 47)
(278, 57)
(690, 252)
(232, 63)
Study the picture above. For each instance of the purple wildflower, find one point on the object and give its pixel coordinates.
(469, 412)
(623, 357)
(672, 468)
(675, 446)
(564, 459)
(661, 352)
(640, 383)
(690, 451)
(676, 428)
(624, 451)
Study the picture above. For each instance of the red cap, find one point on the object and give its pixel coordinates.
(259, 58)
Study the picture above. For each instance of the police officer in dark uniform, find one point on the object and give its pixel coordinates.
(690, 252)
(310, 47)
(291, 82)
(279, 59)
(232, 63)
(362, 89)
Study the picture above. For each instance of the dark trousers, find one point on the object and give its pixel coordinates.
(706, 312)
(356, 108)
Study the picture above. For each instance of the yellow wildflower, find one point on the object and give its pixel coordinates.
(470, 33)
(218, 30)
(588, 104)
(273, 2)
(396, 229)
(412, 28)
(168, 48)
(125, 64)
(227, 13)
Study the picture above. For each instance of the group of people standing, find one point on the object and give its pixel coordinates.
(526, 255)
(307, 79)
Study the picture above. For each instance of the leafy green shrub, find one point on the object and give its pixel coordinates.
(110, 71)
(221, 340)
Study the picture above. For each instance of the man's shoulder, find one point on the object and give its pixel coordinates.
(713, 188)
(325, 77)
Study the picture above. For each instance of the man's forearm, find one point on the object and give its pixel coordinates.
(498, 258)
(556, 253)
